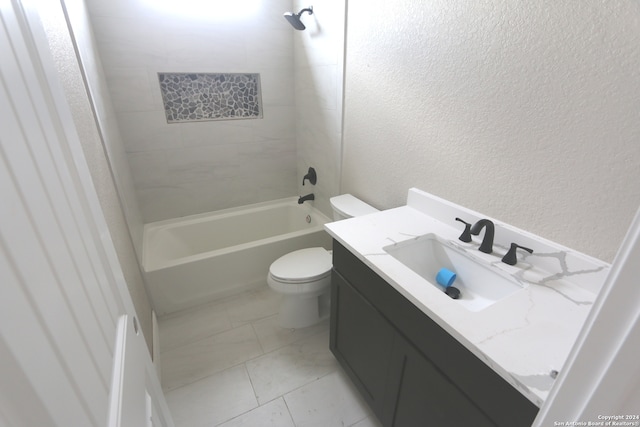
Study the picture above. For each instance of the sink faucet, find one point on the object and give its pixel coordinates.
(303, 199)
(489, 231)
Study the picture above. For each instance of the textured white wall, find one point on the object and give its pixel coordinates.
(318, 72)
(525, 111)
(188, 168)
(116, 193)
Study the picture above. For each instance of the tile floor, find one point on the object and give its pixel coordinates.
(228, 363)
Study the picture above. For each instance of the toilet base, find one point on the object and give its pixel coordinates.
(301, 311)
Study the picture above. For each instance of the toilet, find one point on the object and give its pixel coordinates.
(303, 277)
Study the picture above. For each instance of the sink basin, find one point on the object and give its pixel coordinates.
(480, 285)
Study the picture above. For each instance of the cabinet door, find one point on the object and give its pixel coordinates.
(361, 340)
(424, 396)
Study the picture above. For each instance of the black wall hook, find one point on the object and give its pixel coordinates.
(311, 176)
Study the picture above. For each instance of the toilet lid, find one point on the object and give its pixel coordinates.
(302, 265)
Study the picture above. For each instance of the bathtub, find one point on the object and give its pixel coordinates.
(200, 258)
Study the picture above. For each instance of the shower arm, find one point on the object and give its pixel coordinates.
(306, 9)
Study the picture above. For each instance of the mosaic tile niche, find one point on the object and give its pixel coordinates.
(192, 97)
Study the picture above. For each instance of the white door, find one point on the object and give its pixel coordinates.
(70, 350)
(132, 403)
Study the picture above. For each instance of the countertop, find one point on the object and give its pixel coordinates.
(523, 337)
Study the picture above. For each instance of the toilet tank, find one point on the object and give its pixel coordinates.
(347, 206)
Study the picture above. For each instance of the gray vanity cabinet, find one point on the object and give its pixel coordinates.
(408, 369)
(362, 340)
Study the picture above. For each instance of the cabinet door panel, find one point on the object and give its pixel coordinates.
(424, 396)
(361, 339)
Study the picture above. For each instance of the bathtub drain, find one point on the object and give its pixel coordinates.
(308, 219)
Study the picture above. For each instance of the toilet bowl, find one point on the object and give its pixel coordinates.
(303, 277)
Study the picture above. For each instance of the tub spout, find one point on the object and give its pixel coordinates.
(303, 199)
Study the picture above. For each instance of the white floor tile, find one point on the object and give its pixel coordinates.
(290, 367)
(297, 380)
(192, 325)
(207, 356)
(272, 414)
(272, 336)
(327, 402)
(212, 400)
(252, 305)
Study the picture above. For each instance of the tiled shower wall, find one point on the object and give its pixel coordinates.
(185, 168)
(318, 71)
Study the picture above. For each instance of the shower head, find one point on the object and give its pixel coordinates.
(294, 18)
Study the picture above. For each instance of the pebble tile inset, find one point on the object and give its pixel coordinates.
(211, 96)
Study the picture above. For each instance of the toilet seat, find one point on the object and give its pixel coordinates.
(302, 266)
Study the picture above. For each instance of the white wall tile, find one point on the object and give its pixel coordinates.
(317, 86)
(116, 8)
(131, 89)
(271, 15)
(202, 163)
(267, 156)
(225, 192)
(129, 42)
(271, 49)
(320, 43)
(148, 130)
(162, 202)
(149, 168)
(277, 86)
(216, 132)
(189, 47)
(278, 123)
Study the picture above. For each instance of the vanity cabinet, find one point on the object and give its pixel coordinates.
(410, 371)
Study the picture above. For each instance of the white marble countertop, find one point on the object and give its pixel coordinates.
(523, 337)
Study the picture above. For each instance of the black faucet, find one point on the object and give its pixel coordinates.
(489, 231)
(303, 199)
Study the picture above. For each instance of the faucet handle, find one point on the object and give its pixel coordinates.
(311, 176)
(466, 234)
(510, 257)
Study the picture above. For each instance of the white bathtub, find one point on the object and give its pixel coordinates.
(196, 259)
